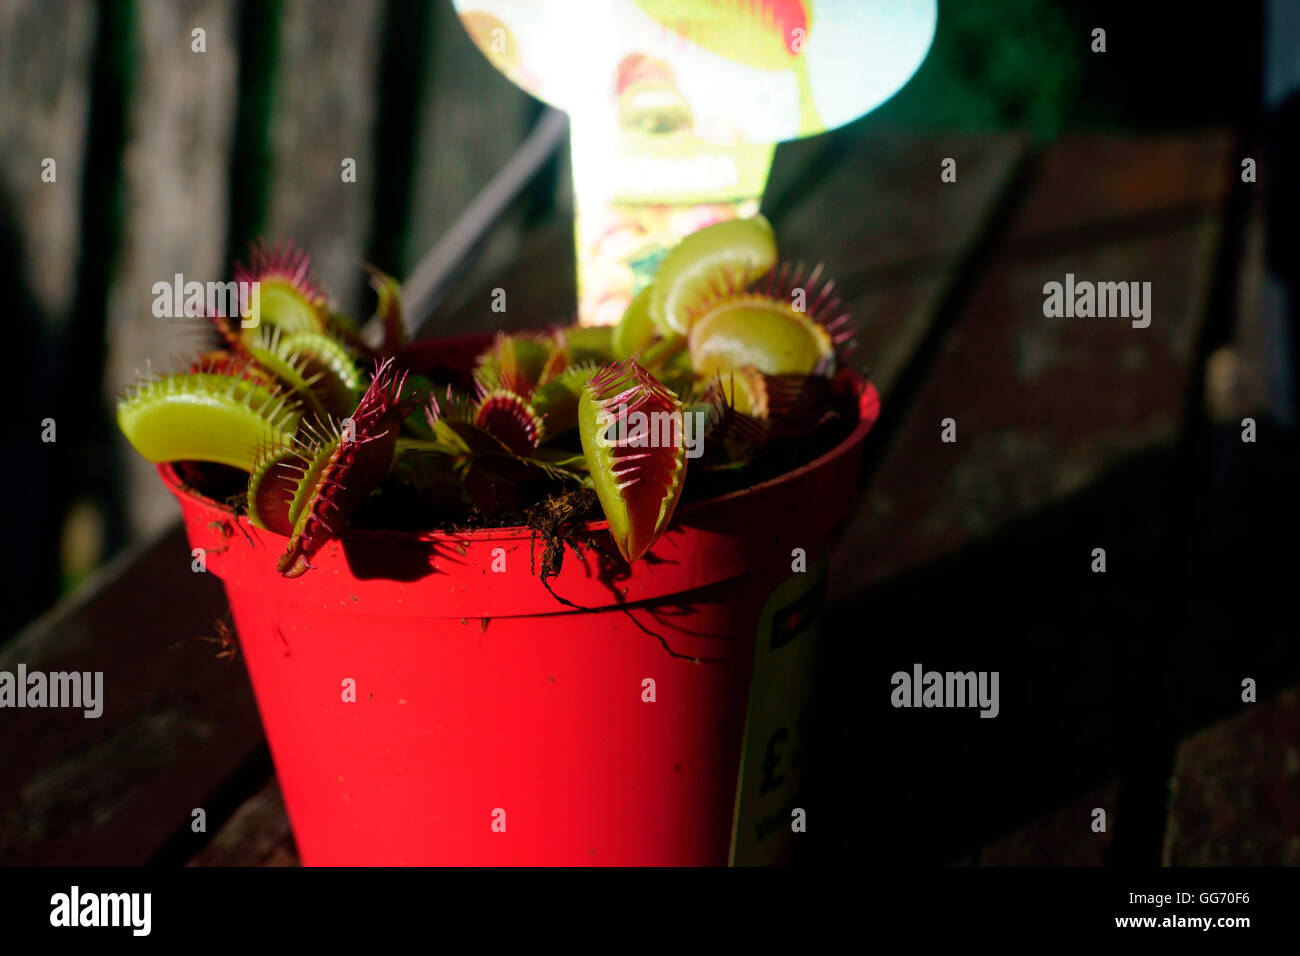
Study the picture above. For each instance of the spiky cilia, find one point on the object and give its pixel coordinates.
(788, 323)
(509, 417)
(633, 435)
(200, 416)
(756, 349)
(288, 295)
(342, 464)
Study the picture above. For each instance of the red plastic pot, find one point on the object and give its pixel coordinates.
(422, 708)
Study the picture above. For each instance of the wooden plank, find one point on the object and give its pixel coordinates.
(1064, 837)
(177, 722)
(892, 233)
(471, 122)
(324, 111)
(45, 78)
(1094, 187)
(878, 207)
(541, 286)
(257, 834)
(1235, 795)
(976, 555)
(175, 167)
(1015, 381)
(447, 269)
(44, 83)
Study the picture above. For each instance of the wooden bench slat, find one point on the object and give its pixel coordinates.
(976, 555)
(472, 120)
(1045, 405)
(325, 111)
(257, 834)
(175, 168)
(1062, 837)
(1235, 794)
(176, 722)
(896, 255)
(45, 87)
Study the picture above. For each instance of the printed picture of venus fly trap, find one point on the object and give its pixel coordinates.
(500, 596)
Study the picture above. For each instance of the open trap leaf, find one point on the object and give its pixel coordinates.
(204, 417)
(632, 433)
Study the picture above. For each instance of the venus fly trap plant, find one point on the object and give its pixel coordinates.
(723, 360)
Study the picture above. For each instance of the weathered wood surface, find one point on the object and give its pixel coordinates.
(976, 555)
(45, 78)
(177, 723)
(896, 255)
(44, 84)
(1042, 405)
(325, 111)
(458, 150)
(1062, 837)
(179, 127)
(1235, 792)
(257, 834)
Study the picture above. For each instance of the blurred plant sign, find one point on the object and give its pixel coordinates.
(676, 105)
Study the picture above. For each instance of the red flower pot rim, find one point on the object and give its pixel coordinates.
(868, 411)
